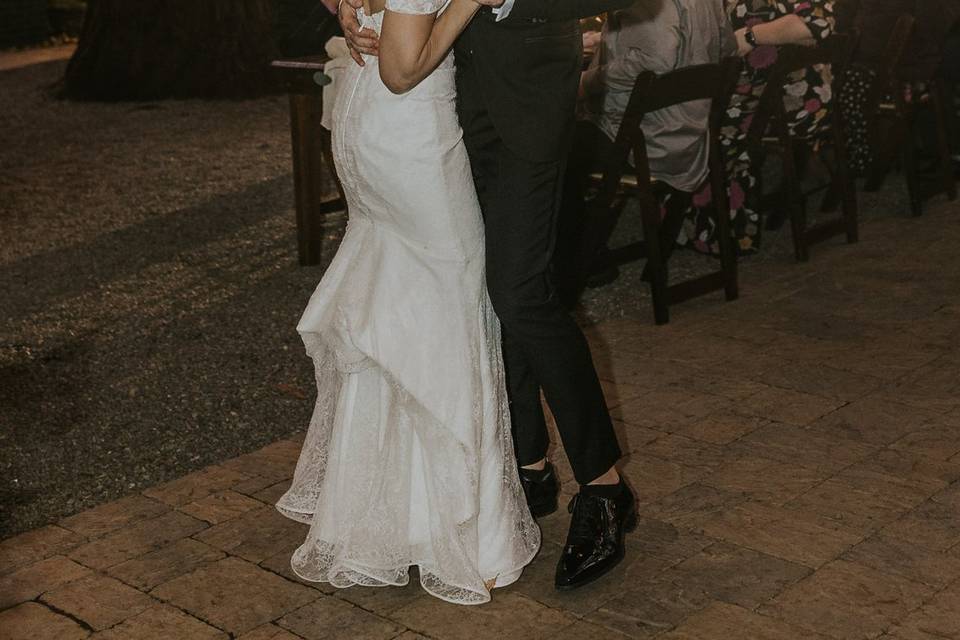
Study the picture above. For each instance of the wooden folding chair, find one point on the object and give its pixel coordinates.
(620, 180)
(892, 123)
(770, 133)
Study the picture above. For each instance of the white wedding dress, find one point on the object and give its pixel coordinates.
(409, 458)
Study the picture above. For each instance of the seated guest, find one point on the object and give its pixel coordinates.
(651, 35)
(762, 25)
(920, 62)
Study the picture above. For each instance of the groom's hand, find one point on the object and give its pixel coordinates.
(360, 41)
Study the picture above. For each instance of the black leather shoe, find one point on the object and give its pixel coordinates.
(595, 544)
(541, 489)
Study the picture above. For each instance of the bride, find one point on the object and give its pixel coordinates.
(409, 458)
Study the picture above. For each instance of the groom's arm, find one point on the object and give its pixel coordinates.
(553, 10)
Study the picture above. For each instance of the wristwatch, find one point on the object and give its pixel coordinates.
(751, 37)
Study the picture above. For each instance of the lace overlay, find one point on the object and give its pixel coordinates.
(416, 7)
(408, 459)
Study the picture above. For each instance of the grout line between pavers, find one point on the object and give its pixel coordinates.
(64, 613)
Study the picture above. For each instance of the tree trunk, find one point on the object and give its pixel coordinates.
(152, 49)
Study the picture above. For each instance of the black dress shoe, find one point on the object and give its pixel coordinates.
(595, 544)
(541, 489)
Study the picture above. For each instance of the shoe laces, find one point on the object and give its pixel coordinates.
(587, 519)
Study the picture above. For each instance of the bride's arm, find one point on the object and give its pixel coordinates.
(411, 46)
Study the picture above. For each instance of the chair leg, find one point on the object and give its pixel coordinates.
(943, 145)
(851, 213)
(728, 256)
(884, 150)
(798, 222)
(844, 186)
(655, 267)
(909, 155)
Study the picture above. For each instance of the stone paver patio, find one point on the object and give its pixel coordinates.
(796, 455)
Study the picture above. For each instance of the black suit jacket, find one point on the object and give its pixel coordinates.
(524, 72)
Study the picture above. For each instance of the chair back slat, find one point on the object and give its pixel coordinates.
(651, 93)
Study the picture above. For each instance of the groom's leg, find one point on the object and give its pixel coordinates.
(526, 411)
(521, 201)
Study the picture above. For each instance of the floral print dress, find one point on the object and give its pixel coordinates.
(806, 102)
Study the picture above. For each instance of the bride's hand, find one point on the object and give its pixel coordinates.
(360, 41)
(490, 3)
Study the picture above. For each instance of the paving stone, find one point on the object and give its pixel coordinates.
(255, 535)
(272, 494)
(730, 387)
(932, 525)
(905, 559)
(792, 407)
(653, 478)
(694, 504)
(823, 381)
(874, 421)
(649, 610)
(253, 485)
(922, 397)
(858, 504)
(196, 486)
(32, 580)
(38, 544)
(795, 445)
(926, 475)
(279, 563)
(764, 480)
(721, 621)
(586, 631)
(669, 409)
(136, 540)
(162, 622)
(276, 461)
(686, 451)
(221, 506)
(99, 601)
(733, 574)
(845, 600)
(780, 532)
(507, 615)
(722, 427)
(269, 632)
(882, 360)
(113, 515)
(655, 546)
(333, 619)
(938, 441)
(949, 496)
(234, 595)
(33, 621)
(175, 559)
(632, 438)
(937, 619)
(616, 393)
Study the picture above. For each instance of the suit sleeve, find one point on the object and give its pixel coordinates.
(557, 10)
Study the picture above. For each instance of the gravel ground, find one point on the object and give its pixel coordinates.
(150, 291)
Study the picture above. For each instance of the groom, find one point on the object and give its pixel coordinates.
(518, 69)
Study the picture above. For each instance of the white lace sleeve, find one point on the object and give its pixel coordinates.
(415, 7)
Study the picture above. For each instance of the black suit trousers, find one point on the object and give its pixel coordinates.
(543, 347)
